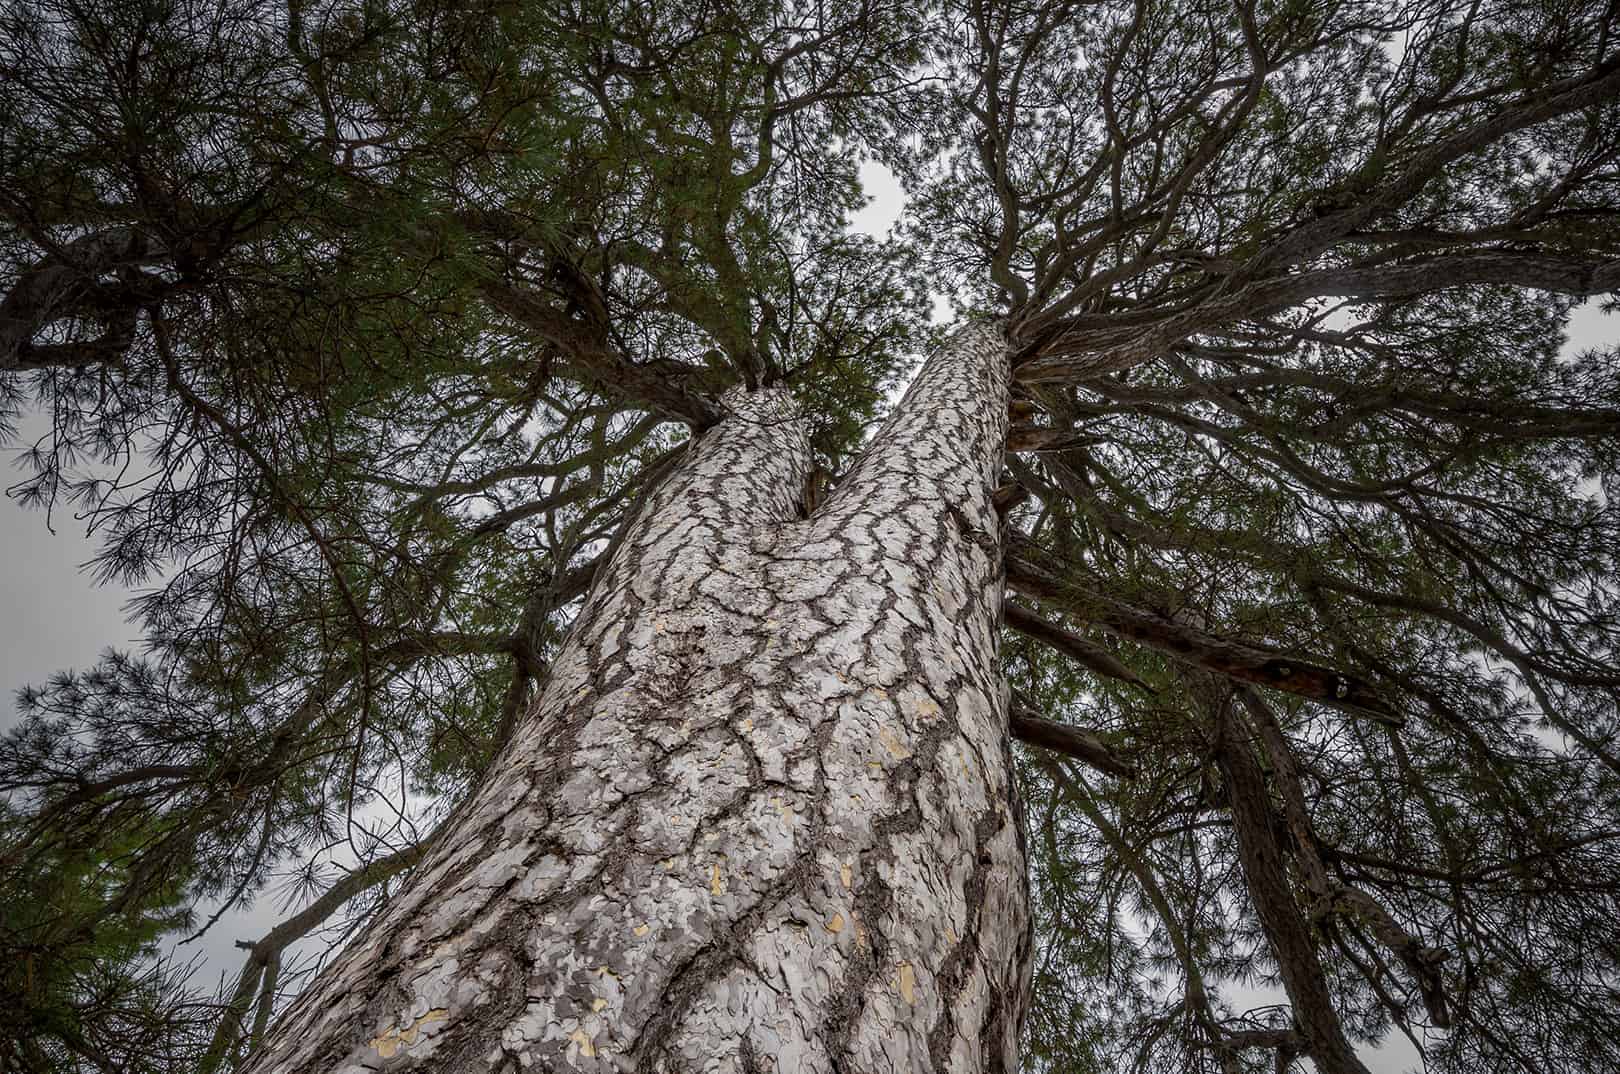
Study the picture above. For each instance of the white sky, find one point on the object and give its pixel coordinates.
(885, 201)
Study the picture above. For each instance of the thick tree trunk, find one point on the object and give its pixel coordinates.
(762, 817)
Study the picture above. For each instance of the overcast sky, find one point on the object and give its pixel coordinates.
(52, 617)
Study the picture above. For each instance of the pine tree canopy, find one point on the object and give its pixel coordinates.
(359, 327)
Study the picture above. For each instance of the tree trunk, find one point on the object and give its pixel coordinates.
(762, 817)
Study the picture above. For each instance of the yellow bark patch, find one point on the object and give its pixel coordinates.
(925, 707)
(907, 983)
(717, 880)
(835, 924)
(598, 1003)
(641, 930)
(845, 873)
(586, 1048)
(892, 744)
(390, 1042)
(748, 725)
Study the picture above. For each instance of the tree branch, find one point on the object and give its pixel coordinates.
(1247, 662)
(1030, 727)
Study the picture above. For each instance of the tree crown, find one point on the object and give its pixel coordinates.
(362, 326)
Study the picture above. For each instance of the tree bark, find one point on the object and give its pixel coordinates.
(762, 816)
(1265, 871)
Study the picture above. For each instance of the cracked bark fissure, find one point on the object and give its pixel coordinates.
(762, 817)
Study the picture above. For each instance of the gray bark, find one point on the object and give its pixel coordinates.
(762, 816)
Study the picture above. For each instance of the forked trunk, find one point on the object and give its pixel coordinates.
(762, 817)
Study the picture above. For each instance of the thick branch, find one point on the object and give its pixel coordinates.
(1421, 960)
(655, 386)
(1085, 348)
(67, 285)
(1243, 661)
(1286, 929)
(1087, 654)
(264, 955)
(1028, 726)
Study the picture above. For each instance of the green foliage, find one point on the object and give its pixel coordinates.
(79, 963)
